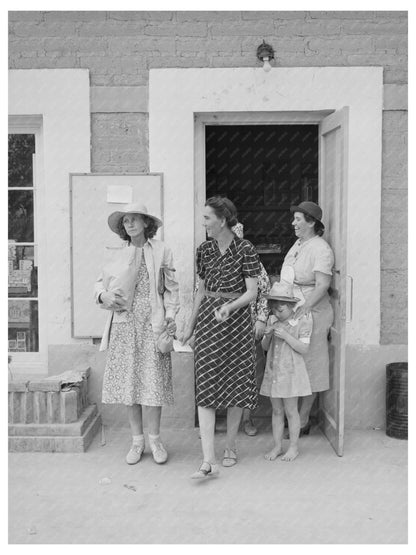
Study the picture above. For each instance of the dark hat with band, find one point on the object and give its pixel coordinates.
(310, 208)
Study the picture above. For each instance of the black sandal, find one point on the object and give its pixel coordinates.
(205, 470)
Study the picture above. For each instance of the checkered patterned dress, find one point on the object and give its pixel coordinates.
(224, 351)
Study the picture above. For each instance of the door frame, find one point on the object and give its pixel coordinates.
(201, 120)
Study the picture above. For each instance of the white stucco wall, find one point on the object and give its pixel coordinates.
(175, 95)
(61, 97)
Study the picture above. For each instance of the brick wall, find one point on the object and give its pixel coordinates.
(120, 142)
(119, 48)
(394, 229)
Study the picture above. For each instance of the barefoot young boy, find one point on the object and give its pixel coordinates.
(285, 377)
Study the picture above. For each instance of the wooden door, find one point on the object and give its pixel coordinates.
(333, 200)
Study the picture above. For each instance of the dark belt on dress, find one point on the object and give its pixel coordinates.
(222, 295)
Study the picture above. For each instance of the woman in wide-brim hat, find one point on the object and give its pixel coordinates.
(312, 260)
(139, 289)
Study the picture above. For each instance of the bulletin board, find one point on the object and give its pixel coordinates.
(93, 198)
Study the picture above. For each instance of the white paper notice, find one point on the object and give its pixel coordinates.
(120, 193)
(179, 348)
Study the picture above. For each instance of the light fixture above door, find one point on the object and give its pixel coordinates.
(265, 53)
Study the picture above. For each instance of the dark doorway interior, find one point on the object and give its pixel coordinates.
(263, 169)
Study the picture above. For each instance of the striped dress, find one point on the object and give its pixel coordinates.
(224, 351)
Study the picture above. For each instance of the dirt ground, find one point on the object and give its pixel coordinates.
(320, 498)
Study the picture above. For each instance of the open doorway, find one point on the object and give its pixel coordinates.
(263, 169)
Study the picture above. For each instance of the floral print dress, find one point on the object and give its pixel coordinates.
(136, 372)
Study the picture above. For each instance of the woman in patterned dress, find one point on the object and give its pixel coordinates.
(260, 313)
(140, 290)
(228, 268)
(312, 260)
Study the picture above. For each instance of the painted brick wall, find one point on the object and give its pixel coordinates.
(119, 48)
(119, 142)
(394, 229)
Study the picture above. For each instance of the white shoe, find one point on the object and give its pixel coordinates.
(135, 453)
(159, 453)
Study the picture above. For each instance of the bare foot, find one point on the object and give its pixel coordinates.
(290, 454)
(274, 453)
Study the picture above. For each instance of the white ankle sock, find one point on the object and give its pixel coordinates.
(138, 439)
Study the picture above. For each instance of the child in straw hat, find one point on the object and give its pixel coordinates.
(285, 378)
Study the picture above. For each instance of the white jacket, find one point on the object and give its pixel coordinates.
(120, 276)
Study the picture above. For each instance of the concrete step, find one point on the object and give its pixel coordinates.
(74, 437)
(56, 429)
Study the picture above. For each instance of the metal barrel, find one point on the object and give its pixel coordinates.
(396, 400)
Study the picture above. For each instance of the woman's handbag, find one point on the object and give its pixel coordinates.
(165, 342)
(161, 285)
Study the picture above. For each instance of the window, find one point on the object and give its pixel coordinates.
(23, 300)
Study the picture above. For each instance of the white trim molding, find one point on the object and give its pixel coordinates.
(177, 96)
(60, 99)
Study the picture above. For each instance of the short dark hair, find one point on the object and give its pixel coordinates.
(149, 230)
(223, 208)
(318, 226)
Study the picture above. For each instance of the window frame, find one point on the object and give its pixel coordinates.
(34, 362)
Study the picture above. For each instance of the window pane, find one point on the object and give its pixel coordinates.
(23, 274)
(21, 216)
(21, 149)
(23, 326)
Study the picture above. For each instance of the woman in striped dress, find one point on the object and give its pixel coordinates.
(228, 268)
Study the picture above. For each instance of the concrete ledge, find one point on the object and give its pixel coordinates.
(51, 383)
(45, 385)
(19, 386)
(56, 429)
(119, 99)
(59, 444)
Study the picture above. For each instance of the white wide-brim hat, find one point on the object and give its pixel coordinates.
(135, 208)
